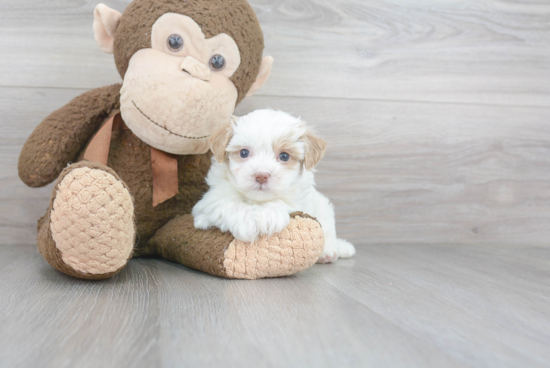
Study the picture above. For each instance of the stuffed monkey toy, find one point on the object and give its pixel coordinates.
(129, 161)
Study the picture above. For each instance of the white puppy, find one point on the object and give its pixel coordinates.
(261, 172)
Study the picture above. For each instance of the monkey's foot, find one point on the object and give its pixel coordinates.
(294, 249)
(89, 230)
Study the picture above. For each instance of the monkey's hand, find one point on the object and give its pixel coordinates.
(63, 135)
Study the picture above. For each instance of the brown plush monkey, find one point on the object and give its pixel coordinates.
(141, 148)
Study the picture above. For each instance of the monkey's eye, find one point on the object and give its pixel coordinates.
(244, 153)
(284, 157)
(175, 42)
(217, 62)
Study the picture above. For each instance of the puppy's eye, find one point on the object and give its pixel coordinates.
(217, 62)
(175, 42)
(244, 153)
(284, 156)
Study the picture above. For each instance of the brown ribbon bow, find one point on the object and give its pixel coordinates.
(164, 165)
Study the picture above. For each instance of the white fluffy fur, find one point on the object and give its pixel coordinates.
(238, 203)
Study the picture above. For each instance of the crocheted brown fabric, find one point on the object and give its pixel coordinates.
(46, 244)
(293, 250)
(180, 242)
(61, 136)
(130, 157)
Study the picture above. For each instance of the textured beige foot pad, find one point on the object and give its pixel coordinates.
(292, 250)
(92, 221)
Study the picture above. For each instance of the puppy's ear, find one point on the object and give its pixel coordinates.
(315, 149)
(219, 141)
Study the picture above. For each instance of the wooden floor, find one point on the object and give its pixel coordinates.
(392, 306)
(437, 115)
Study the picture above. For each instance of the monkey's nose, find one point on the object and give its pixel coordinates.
(262, 177)
(195, 68)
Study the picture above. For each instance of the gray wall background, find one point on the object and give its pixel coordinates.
(437, 113)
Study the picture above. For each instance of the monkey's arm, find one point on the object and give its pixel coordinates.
(63, 135)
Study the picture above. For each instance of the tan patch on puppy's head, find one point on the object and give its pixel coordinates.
(315, 149)
(288, 145)
(219, 141)
(235, 156)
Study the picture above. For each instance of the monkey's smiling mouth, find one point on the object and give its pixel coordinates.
(160, 126)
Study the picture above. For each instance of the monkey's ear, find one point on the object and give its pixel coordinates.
(263, 75)
(315, 149)
(219, 141)
(106, 22)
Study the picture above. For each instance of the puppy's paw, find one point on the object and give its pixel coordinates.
(277, 221)
(245, 233)
(345, 249)
(329, 255)
(244, 228)
(272, 219)
(201, 222)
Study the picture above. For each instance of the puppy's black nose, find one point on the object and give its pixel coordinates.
(262, 177)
